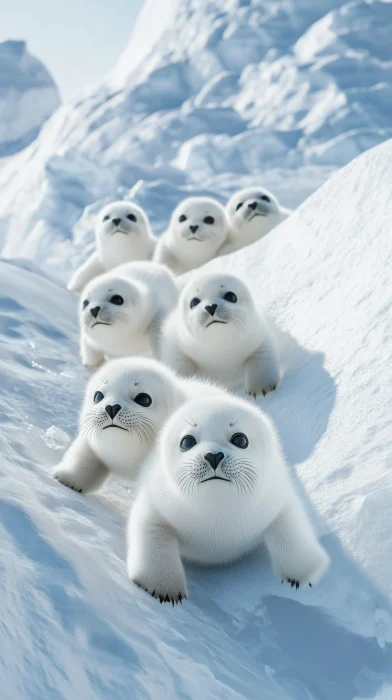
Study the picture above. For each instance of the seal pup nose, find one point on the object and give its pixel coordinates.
(95, 311)
(211, 309)
(193, 228)
(214, 459)
(252, 205)
(116, 221)
(112, 410)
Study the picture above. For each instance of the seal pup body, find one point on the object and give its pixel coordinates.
(198, 228)
(122, 234)
(126, 403)
(121, 312)
(216, 331)
(252, 213)
(216, 489)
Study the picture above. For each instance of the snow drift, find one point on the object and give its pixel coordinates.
(208, 96)
(28, 96)
(73, 625)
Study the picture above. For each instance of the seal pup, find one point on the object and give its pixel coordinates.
(252, 213)
(122, 234)
(121, 312)
(126, 402)
(198, 228)
(216, 488)
(216, 331)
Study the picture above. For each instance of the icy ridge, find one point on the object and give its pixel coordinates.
(212, 96)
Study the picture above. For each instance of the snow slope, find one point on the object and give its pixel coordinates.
(73, 626)
(28, 96)
(209, 95)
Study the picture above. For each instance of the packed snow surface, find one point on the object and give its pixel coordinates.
(74, 626)
(210, 96)
(28, 96)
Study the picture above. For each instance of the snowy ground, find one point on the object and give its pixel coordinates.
(73, 626)
(226, 92)
(209, 95)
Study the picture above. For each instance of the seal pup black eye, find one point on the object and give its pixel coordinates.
(231, 297)
(182, 218)
(265, 198)
(187, 443)
(240, 440)
(131, 217)
(98, 396)
(209, 220)
(195, 301)
(239, 205)
(106, 218)
(143, 400)
(117, 300)
(85, 303)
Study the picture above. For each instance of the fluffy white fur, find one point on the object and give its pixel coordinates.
(216, 501)
(122, 234)
(198, 228)
(210, 334)
(121, 312)
(251, 213)
(118, 425)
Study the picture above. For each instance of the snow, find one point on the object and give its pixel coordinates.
(208, 95)
(223, 93)
(28, 96)
(73, 626)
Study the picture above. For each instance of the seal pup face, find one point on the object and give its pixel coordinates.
(121, 219)
(126, 403)
(122, 233)
(198, 226)
(216, 308)
(216, 450)
(253, 211)
(113, 308)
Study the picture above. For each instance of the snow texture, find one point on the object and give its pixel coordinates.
(28, 96)
(209, 96)
(72, 624)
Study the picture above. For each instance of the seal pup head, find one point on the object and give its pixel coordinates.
(126, 403)
(198, 228)
(122, 231)
(216, 308)
(253, 212)
(113, 308)
(217, 451)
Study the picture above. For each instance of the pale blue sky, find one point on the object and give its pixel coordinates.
(77, 40)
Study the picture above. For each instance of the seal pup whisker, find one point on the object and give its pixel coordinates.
(121, 312)
(113, 246)
(252, 213)
(126, 405)
(239, 503)
(216, 331)
(197, 229)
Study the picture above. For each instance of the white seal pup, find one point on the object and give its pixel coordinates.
(216, 331)
(252, 213)
(198, 228)
(121, 312)
(217, 487)
(125, 404)
(122, 234)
